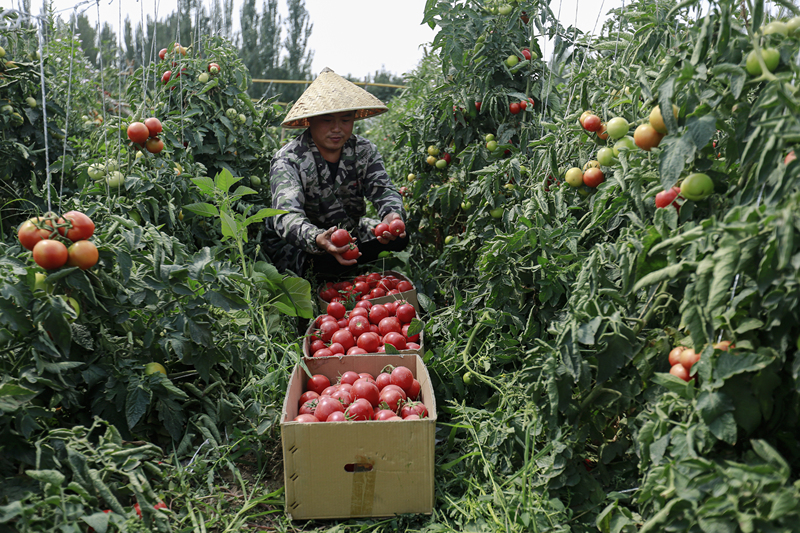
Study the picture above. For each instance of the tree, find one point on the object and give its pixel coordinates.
(297, 62)
(384, 76)
(87, 36)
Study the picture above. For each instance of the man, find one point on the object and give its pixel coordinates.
(322, 179)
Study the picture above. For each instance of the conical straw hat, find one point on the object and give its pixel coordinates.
(331, 93)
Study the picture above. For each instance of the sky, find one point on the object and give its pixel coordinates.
(356, 37)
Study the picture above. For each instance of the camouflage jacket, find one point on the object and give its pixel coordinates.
(302, 184)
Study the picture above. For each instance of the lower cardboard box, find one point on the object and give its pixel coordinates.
(357, 469)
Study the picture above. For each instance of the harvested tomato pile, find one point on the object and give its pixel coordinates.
(365, 287)
(367, 328)
(392, 395)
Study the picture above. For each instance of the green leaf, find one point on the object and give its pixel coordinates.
(296, 297)
(663, 274)
(224, 180)
(269, 270)
(673, 159)
(262, 214)
(726, 260)
(202, 209)
(674, 384)
(731, 363)
(136, 403)
(205, 184)
(210, 85)
(229, 227)
(97, 521)
(53, 477)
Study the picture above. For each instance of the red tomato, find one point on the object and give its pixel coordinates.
(322, 318)
(345, 338)
(29, 234)
(396, 339)
(406, 313)
(592, 123)
(361, 288)
(340, 237)
(50, 254)
(342, 323)
(367, 376)
(308, 407)
(364, 389)
(389, 324)
(318, 383)
(411, 417)
(447, 157)
(326, 406)
(306, 418)
(154, 145)
(374, 278)
(336, 348)
(329, 390)
(680, 371)
(380, 229)
(343, 396)
(349, 377)
(356, 350)
(329, 294)
(397, 227)
(414, 408)
(327, 329)
(392, 398)
(164, 79)
(377, 313)
(138, 132)
(324, 352)
(646, 137)
(514, 108)
(404, 286)
(82, 254)
(665, 198)
(377, 292)
(359, 311)
(153, 126)
(358, 326)
(365, 304)
(162, 53)
(318, 344)
(336, 310)
(351, 253)
(413, 338)
(360, 409)
(383, 379)
(307, 396)
(675, 355)
(593, 177)
(523, 105)
(391, 307)
(384, 414)
(346, 387)
(410, 345)
(402, 377)
(688, 358)
(336, 416)
(213, 68)
(526, 54)
(82, 226)
(413, 393)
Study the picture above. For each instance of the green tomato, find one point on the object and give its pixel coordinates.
(242, 118)
(497, 212)
(467, 377)
(448, 239)
(489, 137)
(112, 165)
(491, 146)
(412, 177)
(771, 59)
(617, 127)
(203, 77)
(2, 52)
(96, 171)
(441, 164)
(606, 157)
(16, 119)
(433, 150)
(511, 61)
(255, 181)
(75, 307)
(135, 216)
(115, 179)
(466, 206)
(697, 187)
(152, 368)
(31, 101)
(505, 9)
(776, 26)
(793, 24)
(574, 177)
(231, 113)
(626, 143)
(7, 109)
(41, 284)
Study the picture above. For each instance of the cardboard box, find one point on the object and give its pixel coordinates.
(357, 469)
(409, 296)
(312, 327)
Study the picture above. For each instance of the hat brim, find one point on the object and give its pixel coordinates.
(361, 113)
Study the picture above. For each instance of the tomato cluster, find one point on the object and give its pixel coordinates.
(340, 238)
(681, 360)
(392, 395)
(45, 237)
(396, 227)
(146, 134)
(365, 287)
(365, 329)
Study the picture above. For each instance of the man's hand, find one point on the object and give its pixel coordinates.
(324, 243)
(386, 237)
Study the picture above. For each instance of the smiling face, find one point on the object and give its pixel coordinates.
(330, 132)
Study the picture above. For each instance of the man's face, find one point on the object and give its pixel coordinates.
(330, 132)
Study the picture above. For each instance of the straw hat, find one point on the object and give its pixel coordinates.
(331, 93)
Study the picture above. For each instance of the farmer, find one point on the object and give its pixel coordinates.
(323, 177)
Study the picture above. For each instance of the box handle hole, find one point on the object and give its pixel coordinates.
(358, 467)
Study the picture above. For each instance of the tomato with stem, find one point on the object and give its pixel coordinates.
(82, 254)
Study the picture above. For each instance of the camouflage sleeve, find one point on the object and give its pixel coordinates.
(378, 188)
(287, 193)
